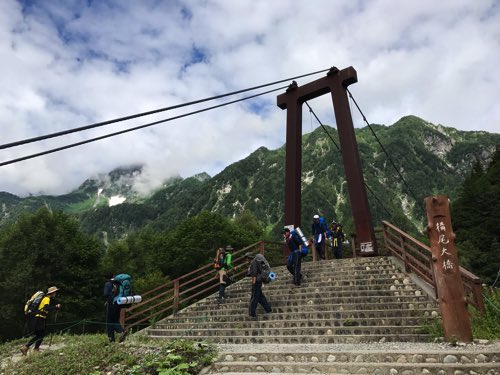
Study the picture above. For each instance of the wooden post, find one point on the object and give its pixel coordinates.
(176, 296)
(353, 246)
(403, 251)
(122, 317)
(449, 286)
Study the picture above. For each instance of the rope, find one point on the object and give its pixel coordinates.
(130, 117)
(338, 148)
(12, 161)
(383, 148)
(495, 282)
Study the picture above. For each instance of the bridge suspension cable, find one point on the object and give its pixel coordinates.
(130, 117)
(338, 148)
(386, 153)
(135, 128)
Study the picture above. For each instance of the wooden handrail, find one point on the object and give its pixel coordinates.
(472, 283)
(185, 289)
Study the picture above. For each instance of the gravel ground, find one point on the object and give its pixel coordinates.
(476, 346)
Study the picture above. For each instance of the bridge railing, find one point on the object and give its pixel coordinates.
(169, 298)
(417, 258)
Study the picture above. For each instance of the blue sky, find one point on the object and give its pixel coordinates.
(70, 63)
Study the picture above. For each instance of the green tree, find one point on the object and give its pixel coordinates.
(44, 249)
(476, 219)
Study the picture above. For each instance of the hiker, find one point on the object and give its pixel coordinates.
(224, 265)
(112, 309)
(38, 319)
(294, 262)
(338, 238)
(319, 233)
(257, 297)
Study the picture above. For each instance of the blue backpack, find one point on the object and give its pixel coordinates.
(123, 284)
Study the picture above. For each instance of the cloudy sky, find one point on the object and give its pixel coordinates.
(66, 64)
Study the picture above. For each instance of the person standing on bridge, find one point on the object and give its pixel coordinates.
(294, 262)
(255, 273)
(338, 238)
(224, 265)
(319, 230)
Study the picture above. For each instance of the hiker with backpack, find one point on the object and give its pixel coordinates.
(223, 264)
(294, 261)
(114, 288)
(259, 271)
(37, 310)
(338, 239)
(320, 232)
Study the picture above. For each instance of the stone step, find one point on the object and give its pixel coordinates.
(257, 330)
(329, 282)
(305, 316)
(244, 292)
(285, 307)
(367, 358)
(372, 356)
(339, 263)
(304, 340)
(305, 291)
(357, 368)
(314, 323)
(312, 299)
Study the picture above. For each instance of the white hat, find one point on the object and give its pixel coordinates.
(52, 289)
(316, 217)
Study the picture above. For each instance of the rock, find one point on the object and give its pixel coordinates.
(252, 358)
(331, 358)
(450, 359)
(229, 358)
(481, 358)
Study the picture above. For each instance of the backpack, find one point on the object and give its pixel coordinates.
(220, 259)
(263, 267)
(299, 238)
(31, 305)
(123, 284)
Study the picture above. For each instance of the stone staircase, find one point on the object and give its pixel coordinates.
(350, 316)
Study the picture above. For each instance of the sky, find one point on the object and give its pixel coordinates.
(69, 63)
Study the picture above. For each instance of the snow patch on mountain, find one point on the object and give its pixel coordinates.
(116, 200)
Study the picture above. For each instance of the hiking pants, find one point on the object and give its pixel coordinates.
(294, 266)
(258, 297)
(38, 325)
(337, 248)
(222, 282)
(113, 320)
(320, 249)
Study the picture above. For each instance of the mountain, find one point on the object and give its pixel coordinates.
(424, 159)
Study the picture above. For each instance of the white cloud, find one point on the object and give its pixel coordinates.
(70, 64)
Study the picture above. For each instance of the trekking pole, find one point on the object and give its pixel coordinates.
(52, 333)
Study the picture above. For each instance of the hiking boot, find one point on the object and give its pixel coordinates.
(24, 350)
(123, 336)
(252, 317)
(36, 350)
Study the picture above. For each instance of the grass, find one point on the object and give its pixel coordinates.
(92, 354)
(487, 326)
(484, 326)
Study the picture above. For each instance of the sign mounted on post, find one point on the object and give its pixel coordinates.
(449, 286)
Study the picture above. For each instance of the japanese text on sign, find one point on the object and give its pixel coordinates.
(443, 240)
